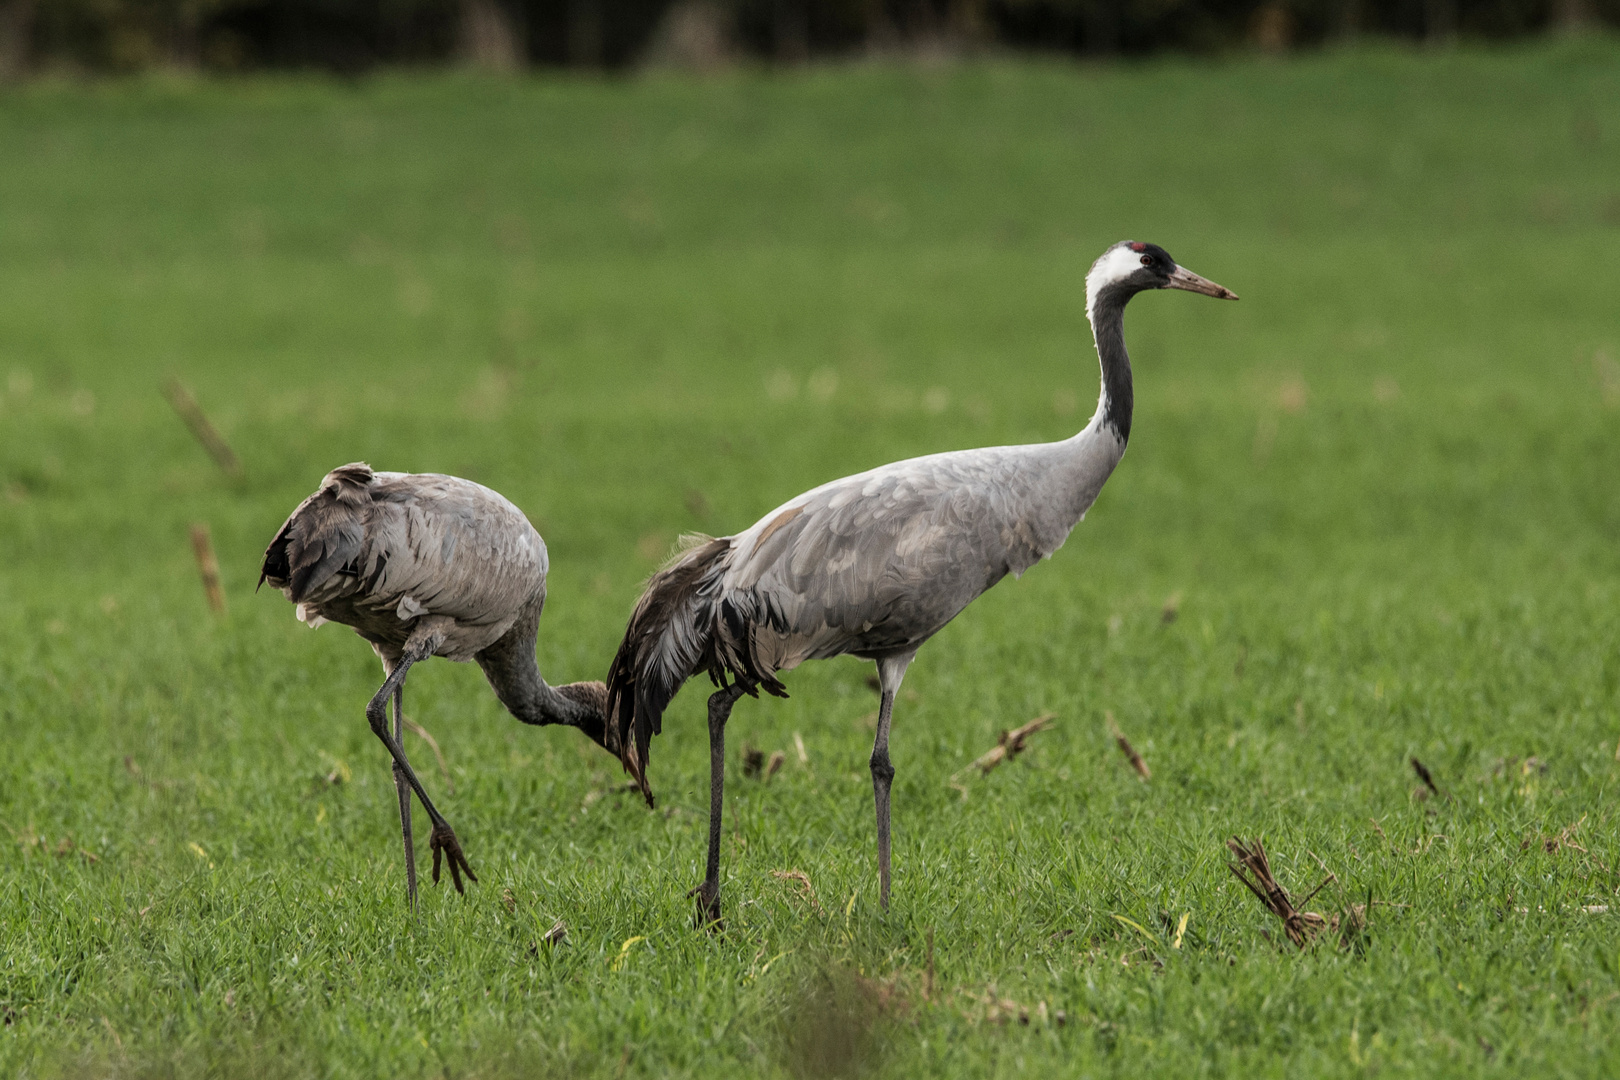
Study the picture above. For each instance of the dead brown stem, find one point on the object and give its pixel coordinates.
(202, 546)
(1565, 838)
(806, 890)
(1128, 750)
(1253, 868)
(1423, 775)
(1012, 742)
(205, 432)
(433, 744)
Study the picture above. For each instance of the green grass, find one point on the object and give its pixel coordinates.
(1383, 485)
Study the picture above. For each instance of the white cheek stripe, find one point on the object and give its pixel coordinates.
(1116, 264)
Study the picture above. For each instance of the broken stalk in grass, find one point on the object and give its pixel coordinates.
(202, 545)
(807, 890)
(1423, 774)
(1253, 868)
(1011, 743)
(433, 744)
(1128, 750)
(204, 431)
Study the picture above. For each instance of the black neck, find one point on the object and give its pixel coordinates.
(1108, 326)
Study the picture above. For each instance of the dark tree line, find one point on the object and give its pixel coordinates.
(353, 35)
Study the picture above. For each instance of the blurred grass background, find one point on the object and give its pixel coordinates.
(1381, 487)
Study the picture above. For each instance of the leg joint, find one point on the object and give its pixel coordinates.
(377, 712)
(881, 769)
(720, 703)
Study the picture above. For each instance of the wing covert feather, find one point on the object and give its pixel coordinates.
(383, 548)
(882, 560)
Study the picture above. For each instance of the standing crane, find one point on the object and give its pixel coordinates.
(872, 565)
(424, 565)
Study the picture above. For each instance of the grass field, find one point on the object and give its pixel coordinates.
(1383, 488)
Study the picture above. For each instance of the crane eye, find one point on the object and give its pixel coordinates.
(1147, 260)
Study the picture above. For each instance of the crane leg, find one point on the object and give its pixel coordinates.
(403, 787)
(442, 841)
(708, 893)
(891, 670)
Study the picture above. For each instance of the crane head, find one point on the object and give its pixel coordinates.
(1130, 267)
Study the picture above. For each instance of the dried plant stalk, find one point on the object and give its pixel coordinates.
(1128, 750)
(1012, 742)
(1253, 868)
(204, 431)
(202, 545)
(806, 890)
(1424, 775)
(422, 733)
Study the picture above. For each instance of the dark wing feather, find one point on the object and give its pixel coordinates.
(670, 638)
(324, 535)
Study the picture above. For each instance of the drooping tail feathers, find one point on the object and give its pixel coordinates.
(682, 625)
(322, 535)
(668, 640)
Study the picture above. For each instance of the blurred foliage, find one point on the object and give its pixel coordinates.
(352, 35)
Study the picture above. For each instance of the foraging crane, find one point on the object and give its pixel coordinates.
(426, 565)
(872, 565)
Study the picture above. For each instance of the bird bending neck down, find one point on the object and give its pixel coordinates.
(427, 565)
(514, 674)
(871, 565)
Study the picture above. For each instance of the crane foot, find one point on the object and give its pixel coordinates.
(443, 843)
(708, 907)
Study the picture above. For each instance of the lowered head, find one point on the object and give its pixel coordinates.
(1130, 267)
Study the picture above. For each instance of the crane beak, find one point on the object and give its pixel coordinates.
(1184, 278)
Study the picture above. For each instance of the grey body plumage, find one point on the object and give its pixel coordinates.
(872, 565)
(424, 565)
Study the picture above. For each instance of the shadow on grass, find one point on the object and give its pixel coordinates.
(832, 1022)
(278, 1061)
(245, 1060)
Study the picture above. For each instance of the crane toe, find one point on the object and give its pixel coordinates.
(444, 845)
(708, 907)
